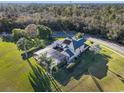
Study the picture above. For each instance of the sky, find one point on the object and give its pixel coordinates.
(63, 1)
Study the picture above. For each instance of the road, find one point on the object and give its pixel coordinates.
(117, 47)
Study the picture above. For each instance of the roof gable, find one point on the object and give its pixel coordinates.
(78, 43)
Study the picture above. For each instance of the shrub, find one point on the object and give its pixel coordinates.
(7, 38)
(71, 66)
(77, 61)
(79, 35)
(54, 69)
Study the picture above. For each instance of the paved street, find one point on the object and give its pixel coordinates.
(117, 47)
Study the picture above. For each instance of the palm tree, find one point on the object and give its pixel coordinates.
(49, 64)
(24, 44)
(95, 48)
(39, 79)
(44, 60)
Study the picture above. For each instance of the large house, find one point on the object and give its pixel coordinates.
(63, 50)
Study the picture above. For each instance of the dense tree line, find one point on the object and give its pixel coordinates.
(106, 20)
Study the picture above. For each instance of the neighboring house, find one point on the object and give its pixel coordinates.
(63, 50)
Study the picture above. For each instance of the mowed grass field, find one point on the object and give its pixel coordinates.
(105, 72)
(14, 71)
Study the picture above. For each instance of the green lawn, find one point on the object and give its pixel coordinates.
(59, 38)
(0, 39)
(14, 71)
(104, 73)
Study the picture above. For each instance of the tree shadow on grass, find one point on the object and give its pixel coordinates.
(97, 68)
(38, 79)
(97, 84)
(41, 81)
(118, 75)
